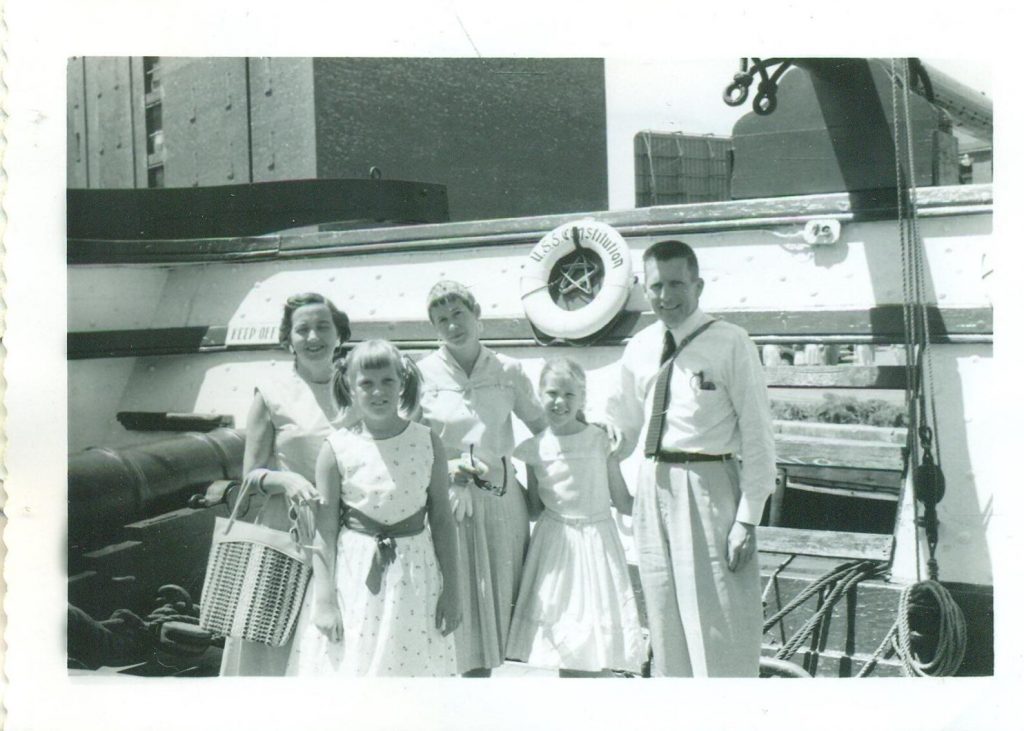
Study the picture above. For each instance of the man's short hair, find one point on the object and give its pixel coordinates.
(673, 249)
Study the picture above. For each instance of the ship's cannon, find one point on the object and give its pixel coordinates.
(110, 488)
(132, 528)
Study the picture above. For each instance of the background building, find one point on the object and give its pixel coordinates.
(508, 137)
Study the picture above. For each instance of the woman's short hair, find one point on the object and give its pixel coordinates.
(447, 292)
(378, 354)
(296, 301)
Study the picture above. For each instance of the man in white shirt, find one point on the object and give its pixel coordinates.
(695, 513)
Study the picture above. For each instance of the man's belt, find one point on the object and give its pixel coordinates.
(670, 457)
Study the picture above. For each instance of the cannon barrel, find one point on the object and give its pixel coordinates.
(109, 488)
(967, 107)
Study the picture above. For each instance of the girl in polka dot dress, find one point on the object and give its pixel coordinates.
(384, 599)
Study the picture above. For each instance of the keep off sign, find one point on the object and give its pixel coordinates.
(259, 334)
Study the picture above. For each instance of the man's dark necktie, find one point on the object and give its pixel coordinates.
(660, 403)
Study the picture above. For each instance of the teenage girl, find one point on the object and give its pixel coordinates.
(384, 597)
(576, 609)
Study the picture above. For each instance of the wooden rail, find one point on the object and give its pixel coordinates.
(831, 544)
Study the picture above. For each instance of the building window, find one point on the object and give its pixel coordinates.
(156, 176)
(154, 123)
(151, 73)
(155, 143)
(154, 117)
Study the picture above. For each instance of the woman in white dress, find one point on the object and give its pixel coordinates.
(292, 412)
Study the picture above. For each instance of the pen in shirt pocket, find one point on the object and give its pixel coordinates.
(704, 384)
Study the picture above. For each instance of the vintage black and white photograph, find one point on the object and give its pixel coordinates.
(474, 361)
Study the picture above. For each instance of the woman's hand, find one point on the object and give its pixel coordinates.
(327, 618)
(449, 611)
(296, 487)
(462, 470)
(273, 482)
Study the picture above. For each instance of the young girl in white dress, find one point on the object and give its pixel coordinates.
(576, 609)
(384, 599)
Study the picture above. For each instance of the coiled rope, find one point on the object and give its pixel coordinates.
(950, 639)
(951, 645)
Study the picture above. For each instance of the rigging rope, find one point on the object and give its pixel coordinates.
(918, 290)
(840, 581)
(925, 472)
(926, 477)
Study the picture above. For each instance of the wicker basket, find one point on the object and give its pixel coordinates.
(255, 581)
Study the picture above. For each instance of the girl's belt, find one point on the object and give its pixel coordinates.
(385, 535)
(687, 457)
(575, 521)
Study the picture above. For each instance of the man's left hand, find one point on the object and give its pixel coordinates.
(615, 439)
(740, 546)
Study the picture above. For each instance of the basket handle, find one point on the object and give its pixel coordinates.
(240, 498)
(301, 522)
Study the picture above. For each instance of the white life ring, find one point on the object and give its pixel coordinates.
(617, 265)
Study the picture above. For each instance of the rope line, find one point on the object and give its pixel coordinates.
(951, 645)
(951, 638)
(833, 585)
(927, 367)
(920, 358)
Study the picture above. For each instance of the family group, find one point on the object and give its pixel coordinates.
(424, 561)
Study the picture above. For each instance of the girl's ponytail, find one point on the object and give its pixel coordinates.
(412, 381)
(339, 384)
